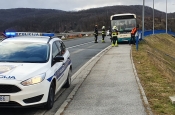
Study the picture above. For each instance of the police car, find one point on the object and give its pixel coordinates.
(33, 68)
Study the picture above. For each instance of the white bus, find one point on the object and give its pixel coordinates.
(125, 23)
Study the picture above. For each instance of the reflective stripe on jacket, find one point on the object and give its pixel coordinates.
(114, 33)
(133, 31)
(103, 32)
(96, 32)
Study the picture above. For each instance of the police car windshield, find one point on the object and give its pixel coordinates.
(24, 52)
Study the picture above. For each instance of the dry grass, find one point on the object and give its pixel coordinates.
(155, 64)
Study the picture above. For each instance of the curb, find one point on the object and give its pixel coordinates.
(85, 70)
(144, 98)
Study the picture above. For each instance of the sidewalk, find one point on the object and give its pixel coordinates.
(110, 88)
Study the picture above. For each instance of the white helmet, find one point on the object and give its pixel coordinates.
(114, 28)
(103, 27)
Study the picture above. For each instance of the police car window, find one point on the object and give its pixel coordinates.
(55, 50)
(59, 47)
(63, 47)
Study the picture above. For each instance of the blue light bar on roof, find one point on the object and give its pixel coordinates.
(48, 34)
(10, 33)
(13, 34)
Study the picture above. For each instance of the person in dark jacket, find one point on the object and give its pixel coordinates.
(96, 33)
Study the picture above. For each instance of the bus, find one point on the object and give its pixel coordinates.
(125, 23)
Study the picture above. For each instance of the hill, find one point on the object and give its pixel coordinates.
(26, 19)
(155, 65)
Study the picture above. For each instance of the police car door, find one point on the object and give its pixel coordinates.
(65, 54)
(57, 66)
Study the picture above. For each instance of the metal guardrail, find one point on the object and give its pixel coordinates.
(75, 34)
(150, 32)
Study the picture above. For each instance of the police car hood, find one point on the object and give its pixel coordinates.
(21, 71)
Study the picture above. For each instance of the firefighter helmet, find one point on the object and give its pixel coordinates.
(114, 28)
(103, 27)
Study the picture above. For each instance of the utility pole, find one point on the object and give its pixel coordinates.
(166, 16)
(153, 16)
(107, 18)
(143, 16)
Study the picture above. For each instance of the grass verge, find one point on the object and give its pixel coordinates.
(155, 65)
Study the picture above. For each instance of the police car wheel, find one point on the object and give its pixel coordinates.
(68, 81)
(51, 96)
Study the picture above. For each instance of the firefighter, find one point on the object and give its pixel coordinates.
(103, 34)
(133, 32)
(114, 36)
(96, 33)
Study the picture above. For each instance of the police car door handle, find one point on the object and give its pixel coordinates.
(63, 64)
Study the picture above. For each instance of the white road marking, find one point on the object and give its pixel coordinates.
(80, 50)
(79, 45)
(77, 51)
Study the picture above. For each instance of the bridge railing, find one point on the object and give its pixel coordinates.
(150, 32)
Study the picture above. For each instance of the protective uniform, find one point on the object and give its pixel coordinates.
(96, 33)
(103, 34)
(133, 32)
(114, 36)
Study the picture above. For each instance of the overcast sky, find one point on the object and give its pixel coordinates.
(72, 5)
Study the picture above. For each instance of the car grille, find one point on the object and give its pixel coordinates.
(9, 89)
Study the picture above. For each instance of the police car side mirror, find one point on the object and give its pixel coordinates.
(59, 59)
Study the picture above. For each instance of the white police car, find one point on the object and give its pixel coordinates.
(33, 68)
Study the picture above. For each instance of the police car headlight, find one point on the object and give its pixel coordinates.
(34, 80)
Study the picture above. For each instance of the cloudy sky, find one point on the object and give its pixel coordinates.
(72, 5)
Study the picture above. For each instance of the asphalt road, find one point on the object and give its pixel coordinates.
(82, 50)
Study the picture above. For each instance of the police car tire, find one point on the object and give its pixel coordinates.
(51, 96)
(68, 81)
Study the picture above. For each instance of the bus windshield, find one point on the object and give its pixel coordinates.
(124, 24)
